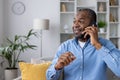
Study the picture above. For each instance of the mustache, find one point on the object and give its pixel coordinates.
(78, 29)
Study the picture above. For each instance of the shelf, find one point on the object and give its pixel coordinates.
(101, 0)
(68, 1)
(114, 37)
(104, 33)
(114, 22)
(66, 12)
(104, 12)
(67, 33)
(114, 6)
(83, 6)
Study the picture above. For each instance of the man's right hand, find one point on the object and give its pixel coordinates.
(64, 60)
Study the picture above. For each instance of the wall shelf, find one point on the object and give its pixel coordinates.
(105, 12)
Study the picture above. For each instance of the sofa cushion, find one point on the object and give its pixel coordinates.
(34, 71)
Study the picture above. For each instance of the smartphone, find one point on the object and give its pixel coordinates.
(93, 23)
(82, 35)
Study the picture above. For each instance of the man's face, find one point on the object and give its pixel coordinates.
(81, 21)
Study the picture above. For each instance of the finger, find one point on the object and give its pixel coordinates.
(88, 32)
(64, 60)
(90, 28)
(68, 59)
(94, 29)
(71, 56)
(60, 64)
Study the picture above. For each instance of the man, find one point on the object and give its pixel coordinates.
(86, 57)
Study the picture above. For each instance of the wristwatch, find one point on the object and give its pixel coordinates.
(18, 8)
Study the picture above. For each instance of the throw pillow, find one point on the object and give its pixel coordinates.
(33, 71)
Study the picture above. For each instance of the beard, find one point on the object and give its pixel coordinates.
(81, 36)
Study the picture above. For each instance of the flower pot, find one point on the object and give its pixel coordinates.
(102, 30)
(10, 74)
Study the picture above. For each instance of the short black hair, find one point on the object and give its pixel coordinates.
(91, 13)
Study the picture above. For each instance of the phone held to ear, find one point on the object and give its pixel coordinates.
(82, 35)
(93, 24)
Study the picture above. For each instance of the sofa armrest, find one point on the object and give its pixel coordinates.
(18, 78)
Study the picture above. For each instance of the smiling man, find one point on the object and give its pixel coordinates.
(85, 57)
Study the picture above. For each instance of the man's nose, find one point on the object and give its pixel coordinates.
(76, 25)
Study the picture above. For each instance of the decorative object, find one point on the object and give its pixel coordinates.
(112, 2)
(18, 8)
(12, 51)
(63, 7)
(41, 24)
(102, 25)
(101, 7)
(66, 28)
(34, 71)
(112, 18)
(10, 74)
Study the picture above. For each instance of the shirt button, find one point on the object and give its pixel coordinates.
(106, 50)
(80, 78)
(113, 59)
(80, 67)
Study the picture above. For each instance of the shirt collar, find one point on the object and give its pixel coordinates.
(76, 41)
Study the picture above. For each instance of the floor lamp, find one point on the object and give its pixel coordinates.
(41, 24)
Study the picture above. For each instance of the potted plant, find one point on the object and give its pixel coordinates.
(15, 47)
(101, 26)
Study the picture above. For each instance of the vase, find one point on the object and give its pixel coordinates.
(10, 74)
(102, 30)
(101, 7)
(66, 28)
(63, 7)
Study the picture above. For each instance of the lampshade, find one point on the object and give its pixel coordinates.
(42, 24)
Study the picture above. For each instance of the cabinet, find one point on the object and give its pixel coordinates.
(106, 10)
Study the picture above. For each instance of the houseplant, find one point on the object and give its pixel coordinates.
(15, 47)
(101, 26)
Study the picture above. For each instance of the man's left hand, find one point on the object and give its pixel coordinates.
(93, 32)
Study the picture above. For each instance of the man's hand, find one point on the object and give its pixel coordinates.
(93, 32)
(64, 60)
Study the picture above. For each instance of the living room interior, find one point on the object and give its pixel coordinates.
(13, 23)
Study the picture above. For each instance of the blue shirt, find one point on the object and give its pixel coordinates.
(90, 63)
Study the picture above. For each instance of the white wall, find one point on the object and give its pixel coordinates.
(1, 27)
(1, 20)
(20, 24)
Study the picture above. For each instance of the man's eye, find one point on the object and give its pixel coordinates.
(81, 21)
(78, 22)
(74, 21)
